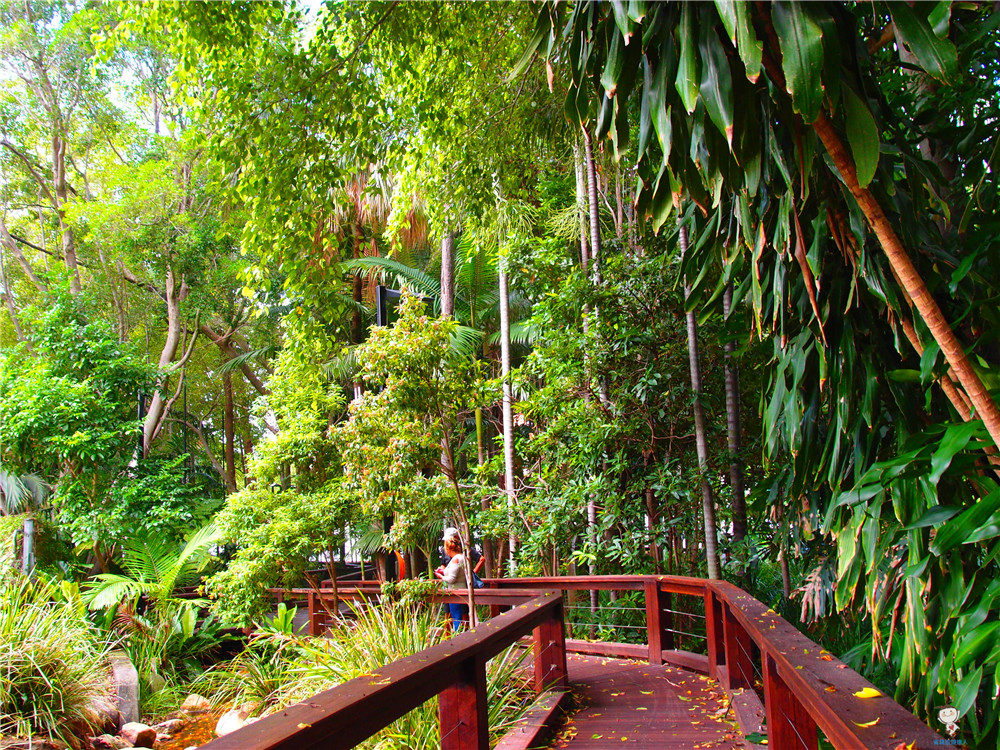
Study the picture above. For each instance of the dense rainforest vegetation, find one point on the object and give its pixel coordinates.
(707, 289)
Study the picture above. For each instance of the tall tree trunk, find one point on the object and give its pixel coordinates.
(733, 429)
(508, 418)
(593, 211)
(28, 547)
(701, 439)
(229, 427)
(157, 403)
(357, 328)
(448, 275)
(593, 198)
(68, 243)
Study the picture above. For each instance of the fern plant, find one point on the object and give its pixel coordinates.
(155, 569)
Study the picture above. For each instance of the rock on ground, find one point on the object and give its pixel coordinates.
(139, 734)
(231, 721)
(194, 703)
(170, 726)
(109, 742)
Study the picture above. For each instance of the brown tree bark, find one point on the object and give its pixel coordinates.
(911, 280)
(701, 439)
(61, 192)
(733, 429)
(229, 429)
(158, 405)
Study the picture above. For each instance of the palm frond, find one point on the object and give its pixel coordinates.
(193, 557)
(148, 558)
(19, 493)
(521, 332)
(389, 269)
(237, 362)
(467, 341)
(344, 366)
(372, 540)
(110, 589)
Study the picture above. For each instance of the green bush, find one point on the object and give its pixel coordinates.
(52, 662)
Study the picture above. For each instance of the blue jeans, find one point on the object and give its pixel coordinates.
(458, 614)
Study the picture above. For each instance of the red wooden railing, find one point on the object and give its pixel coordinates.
(767, 667)
(455, 671)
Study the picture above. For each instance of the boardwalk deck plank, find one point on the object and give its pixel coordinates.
(631, 704)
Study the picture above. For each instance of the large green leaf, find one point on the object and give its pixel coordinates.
(956, 437)
(613, 65)
(687, 69)
(801, 41)
(862, 135)
(747, 44)
(658, 97)
(969, 526)
(966, 691)
(622, 20)
(543, 27)
(936, 55)
(978, 643)
(716, 81)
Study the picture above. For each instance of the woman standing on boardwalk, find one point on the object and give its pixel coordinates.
(453, 576)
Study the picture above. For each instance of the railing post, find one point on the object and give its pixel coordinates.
(788, 722)
(462, 709)
(658, 622)
(550, 652)
(313, 614)
(494, 608)
(739, 668)
(714, 633)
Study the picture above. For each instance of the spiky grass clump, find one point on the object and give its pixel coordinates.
(53, 664)
(278, 669)
(380, 635)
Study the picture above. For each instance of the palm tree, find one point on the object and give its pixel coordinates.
(19, 495)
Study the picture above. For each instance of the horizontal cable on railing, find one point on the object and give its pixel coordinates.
(685, 633)
(607, 608)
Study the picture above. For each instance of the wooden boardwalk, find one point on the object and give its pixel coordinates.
(633, 704)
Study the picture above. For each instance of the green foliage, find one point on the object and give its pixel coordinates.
(68, 413)
(295, 506)
(421, 389)
(50, 546)
(169, 647)
(53, 662)
(278, 535)
(850, 407)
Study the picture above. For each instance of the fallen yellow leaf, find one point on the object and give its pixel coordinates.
(868, 693)
(871, 723)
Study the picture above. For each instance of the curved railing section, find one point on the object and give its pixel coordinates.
(779, 681)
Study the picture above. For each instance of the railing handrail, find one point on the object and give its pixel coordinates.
(669, 583)
(822, 683)
(804, 687)
(350, 713)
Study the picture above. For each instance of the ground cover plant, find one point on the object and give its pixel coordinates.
(53, 669)
(279, 668)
